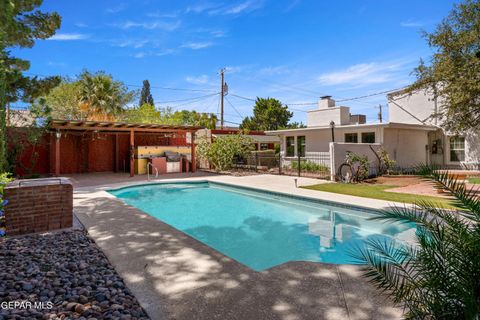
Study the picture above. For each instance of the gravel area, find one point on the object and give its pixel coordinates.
(65, 275)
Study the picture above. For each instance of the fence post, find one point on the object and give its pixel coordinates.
(256, 161)
(299, 170)
(279, 163)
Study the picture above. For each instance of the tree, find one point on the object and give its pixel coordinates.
(268, 114)
(145, 95)
(62, 101)
(453, 74)
(187, 117)
(20, 26)
(438, 277)
(101, 97)
(146, 113)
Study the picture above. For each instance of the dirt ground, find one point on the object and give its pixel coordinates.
(410, 184)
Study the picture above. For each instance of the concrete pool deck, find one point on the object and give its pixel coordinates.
(175, 276)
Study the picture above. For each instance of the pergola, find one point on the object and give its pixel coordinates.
(60, 127)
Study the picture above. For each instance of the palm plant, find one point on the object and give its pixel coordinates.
(102, 97)
(439, 276)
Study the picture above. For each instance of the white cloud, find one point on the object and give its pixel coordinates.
(197, 45)
(411, 24)
(199, 8)
(218, 33)
(167, 26)
(131, 43)
(68, 36)
(244, 6)
(270, 71)
(203, 79)
(116, 9)
(363, 74)
(158, 53)
(81, 25)
(220, 9)
(234, 69)
(159, 14)
(292, 5)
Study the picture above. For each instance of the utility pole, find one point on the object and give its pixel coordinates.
(222, 92)
(380, 116)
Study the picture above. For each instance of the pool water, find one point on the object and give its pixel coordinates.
(261, 229)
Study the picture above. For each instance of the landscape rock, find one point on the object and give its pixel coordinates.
(64, 270)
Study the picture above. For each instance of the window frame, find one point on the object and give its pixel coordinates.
(364, 135)
(454, 149)
(291, 147)
(301, 146)
(351, 134)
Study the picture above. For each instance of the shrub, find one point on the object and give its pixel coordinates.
(4, 179)
(359, 163)
(222, 152)
(309, 166)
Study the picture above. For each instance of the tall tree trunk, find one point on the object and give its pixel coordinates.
(3, 114)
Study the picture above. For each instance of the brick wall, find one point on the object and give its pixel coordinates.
(38, 205)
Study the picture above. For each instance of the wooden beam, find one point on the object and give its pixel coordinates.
(192, 145)
(117, 156)
(132, 153)
(118, 129)
(57, 156)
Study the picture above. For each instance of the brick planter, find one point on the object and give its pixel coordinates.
(38, 205)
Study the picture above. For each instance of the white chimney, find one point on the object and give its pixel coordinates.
(326, 102)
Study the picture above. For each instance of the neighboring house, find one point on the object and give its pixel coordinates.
(261, 140)
(410, 137)
(444, 148)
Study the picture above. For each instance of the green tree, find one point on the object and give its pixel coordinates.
(20, 26)
(187, 117)
(146, 95)
(62, 101)
(453, 73)
(438, 277)
(146, 113)
(101, 97)
(268, 114)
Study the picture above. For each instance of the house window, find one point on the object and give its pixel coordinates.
(457, 149)
(351, 137)
(290, 143)
(263, 146)
(368, 137)
(301, 146)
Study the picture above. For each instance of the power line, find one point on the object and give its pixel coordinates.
(188, 99)
(234, 107)
(369, 95)
(138, 86)
(190, 102)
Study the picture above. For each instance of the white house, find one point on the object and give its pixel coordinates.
(411, 136)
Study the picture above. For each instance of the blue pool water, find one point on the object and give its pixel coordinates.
(258, 229)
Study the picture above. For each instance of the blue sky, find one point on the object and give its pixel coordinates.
(292, 50)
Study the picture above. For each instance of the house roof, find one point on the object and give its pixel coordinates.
(117, 126)
(358, 126)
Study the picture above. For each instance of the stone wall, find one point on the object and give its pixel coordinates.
(38, 205)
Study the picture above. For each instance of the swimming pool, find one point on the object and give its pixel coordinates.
(261, 229)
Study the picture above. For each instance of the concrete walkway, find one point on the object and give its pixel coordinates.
(175, 276)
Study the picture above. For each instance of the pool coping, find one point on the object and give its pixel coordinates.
(345, 293)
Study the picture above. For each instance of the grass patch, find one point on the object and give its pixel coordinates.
(474, 180)
(378, 192)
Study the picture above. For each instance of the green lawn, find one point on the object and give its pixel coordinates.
(376, 192)
(474, 180)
